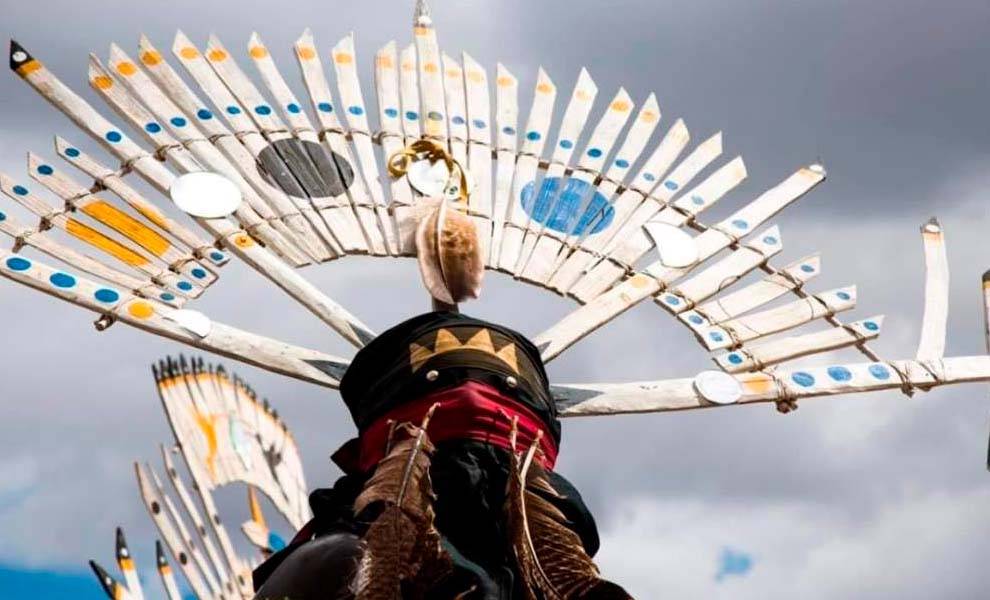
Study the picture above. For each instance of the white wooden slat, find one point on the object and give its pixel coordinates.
(194, 128)
(356, 113)
(156, 508)
(40, 241)
(618, 173)
(623, 296)
(533, 143)
(758, 356)
(479, 118)
(335, 212)
(430, 70)
(365, 221)
(740, 330)
(271, 125)
(596, 153)
(454, 97)
(931, 346)
(638, 243)
(238, 241)
(506, 142)
(123, 251)
(391, 116)
(139, 238)
(582, 259)
(754, 295)
(412, 117)
(576, 400)
(722, 274)
(546, 195)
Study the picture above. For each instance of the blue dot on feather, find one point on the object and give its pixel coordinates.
(839, 373)
(113, 136)
(735, 359)
(185, 286)
(45, 169)
(879, 371)
(167, 297)
(233, 110)
(479, 123)
(325, 107)
(357, 111)
(263, 109)
(803, 379)
(72, 152)
(412, 115)
(198, 273)
(533, 136)
(153, 127)
(293, 108)
(622, 163)
(178, 121)
(595, 152)
(458, 120)
(204, 114)
(391, 113)
(20, 190)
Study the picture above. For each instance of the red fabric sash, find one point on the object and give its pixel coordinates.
(470, 411)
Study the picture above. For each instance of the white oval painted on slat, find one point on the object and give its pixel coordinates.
(192, 321)
(718, 387)
(205, 195)
(429, 179)
(675, 247)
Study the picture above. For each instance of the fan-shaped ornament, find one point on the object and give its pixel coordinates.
(467, 178)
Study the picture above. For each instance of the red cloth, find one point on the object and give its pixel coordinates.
(470, 411)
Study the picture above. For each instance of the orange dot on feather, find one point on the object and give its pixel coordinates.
(258, 52)
(217, 55)
(306, 53)
(189, 53)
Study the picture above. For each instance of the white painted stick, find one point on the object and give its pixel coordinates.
(754, 295)
(507, 123)
(786, 384)
(760, 356)
(931, 346)
(166, 574)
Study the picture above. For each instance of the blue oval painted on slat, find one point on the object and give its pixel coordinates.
(557, 205)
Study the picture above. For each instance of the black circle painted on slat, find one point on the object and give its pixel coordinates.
(305, 169)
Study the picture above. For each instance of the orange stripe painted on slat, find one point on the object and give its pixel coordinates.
(29, 67)
(127, 226)
(110, 246)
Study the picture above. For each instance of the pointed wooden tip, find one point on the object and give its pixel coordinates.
(106, 581)
(389, 48)
(181, 40)
(116, 50)
(931, 226)
(255, 39)
(160, 557)
(306, 35)
(144, 43)
(819, 168)
(715, 140)
(18, 55)
(623, 95)
(121, 544)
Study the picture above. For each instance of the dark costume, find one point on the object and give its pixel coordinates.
(480, 377)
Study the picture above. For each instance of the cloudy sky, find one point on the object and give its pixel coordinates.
(858, 497)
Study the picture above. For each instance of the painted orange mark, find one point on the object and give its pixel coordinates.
(128, 226)
(756, 383)
(140, 309)
(189, 53)
(207, 426)
(453, 73)
(544, 88)
(407, 66)
(165, 570)
(108, 245)
(583, 95)
(258, 52)
(639, 281)
(29, 67)
(620, 106)
(932, 236)
(217, 55)
(151, 58)
(384, 62)
(103, 82)
(126, 68)
(504, 81)
(421, 30)
(243, 240)
(431, 67)
(343, 58)
(154, 216)
(649, 116)
(476, 76)
(126, 564)
(306, 52)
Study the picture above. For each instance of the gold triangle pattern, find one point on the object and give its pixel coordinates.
(447, 342)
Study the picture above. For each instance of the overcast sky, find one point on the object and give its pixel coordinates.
(871, 496)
